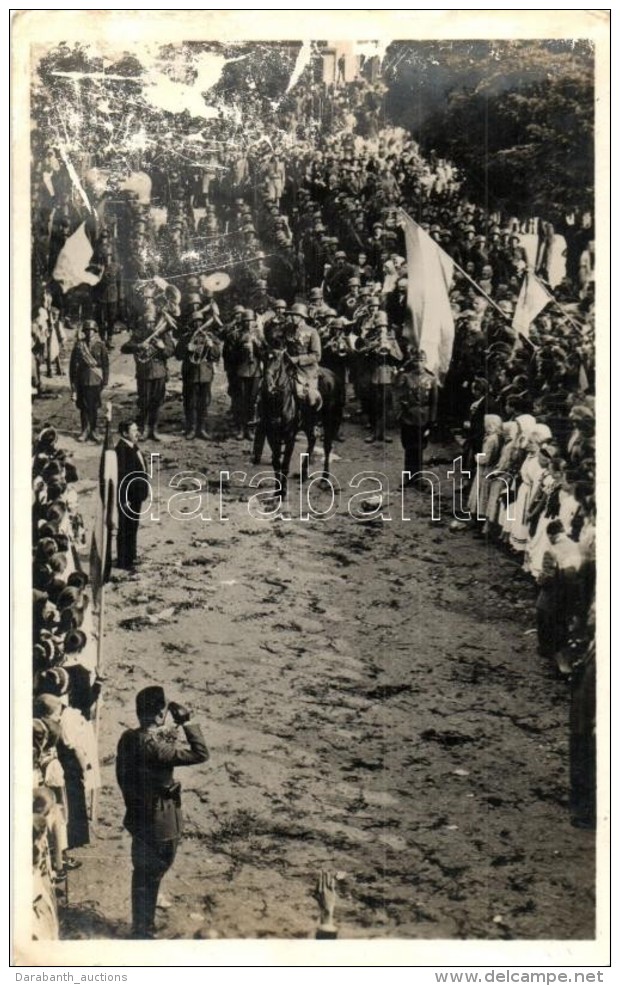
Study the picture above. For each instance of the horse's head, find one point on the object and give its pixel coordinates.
(275, 371)
(278, 384)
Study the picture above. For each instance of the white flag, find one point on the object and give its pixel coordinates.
(533, 297)
(73, 259)
(429, 276)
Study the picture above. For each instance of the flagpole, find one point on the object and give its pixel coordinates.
(94, 796)
(579, 328)
(463, 272)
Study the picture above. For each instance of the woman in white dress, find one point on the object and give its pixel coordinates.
(505, 517)
(544, 508)
(486, 461)
(502, 475)
(531, 475)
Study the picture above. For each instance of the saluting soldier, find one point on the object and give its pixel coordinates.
(198, 350)
(151, 356)
(145, 762)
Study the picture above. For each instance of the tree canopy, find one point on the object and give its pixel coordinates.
(516, 116)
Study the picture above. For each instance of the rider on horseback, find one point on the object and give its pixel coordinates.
(274, 329)
(303, 346)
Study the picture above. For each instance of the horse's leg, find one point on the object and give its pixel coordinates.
(309, 428)
(289, 445)
(247, 405)
(272, 434)
(330, 430)
(259, 442)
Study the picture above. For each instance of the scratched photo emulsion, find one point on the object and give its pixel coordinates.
(313, 489)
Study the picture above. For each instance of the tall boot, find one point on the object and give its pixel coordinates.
(152, 433)
(94, 435)
(202, 427)
(84, 426)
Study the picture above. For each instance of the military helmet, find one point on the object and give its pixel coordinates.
(299, 309)
(280, 305)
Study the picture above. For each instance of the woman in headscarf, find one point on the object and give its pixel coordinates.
(553, 500)
(506, 514)
(77, 754)
(486, 460)
(581, 440)
(503, 474)
(531, 474)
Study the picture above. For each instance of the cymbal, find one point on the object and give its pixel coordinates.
(216, 282)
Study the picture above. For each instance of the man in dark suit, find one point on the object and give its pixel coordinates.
(133, 489)
(145, 762)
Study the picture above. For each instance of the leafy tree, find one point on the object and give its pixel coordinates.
(516, 116)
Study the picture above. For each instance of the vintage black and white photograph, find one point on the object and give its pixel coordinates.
(312, 417)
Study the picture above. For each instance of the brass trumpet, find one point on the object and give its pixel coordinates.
(200, 343)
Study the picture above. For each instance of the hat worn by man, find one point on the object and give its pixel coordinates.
(150, 702)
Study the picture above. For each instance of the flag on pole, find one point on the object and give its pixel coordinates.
(106, 521)
(533, 297)
(73, 260)
(429, 277)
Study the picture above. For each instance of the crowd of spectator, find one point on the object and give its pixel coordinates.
(66, 686)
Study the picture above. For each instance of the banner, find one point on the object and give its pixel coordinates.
(429, 276)
(533, 297)
(73, 259)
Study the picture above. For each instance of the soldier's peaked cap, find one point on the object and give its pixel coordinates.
(150, 701)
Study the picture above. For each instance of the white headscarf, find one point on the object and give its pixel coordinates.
(492, 424)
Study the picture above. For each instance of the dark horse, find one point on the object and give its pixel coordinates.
(283, 415)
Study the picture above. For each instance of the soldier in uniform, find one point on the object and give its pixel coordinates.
(230, 354)
(303, 346)
(336, 348)
(88, 375)
(274, 329)
(351, 301)
(383, 353)
(108, 295)
(198, 350)
(316, 303)
(416, 409)
(151, 369)
(248, 344)
(145, 762)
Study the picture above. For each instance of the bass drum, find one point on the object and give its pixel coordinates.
(215, 282)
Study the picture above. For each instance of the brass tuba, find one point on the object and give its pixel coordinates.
(145, 351)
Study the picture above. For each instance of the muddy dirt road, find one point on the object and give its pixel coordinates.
(372, 702)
